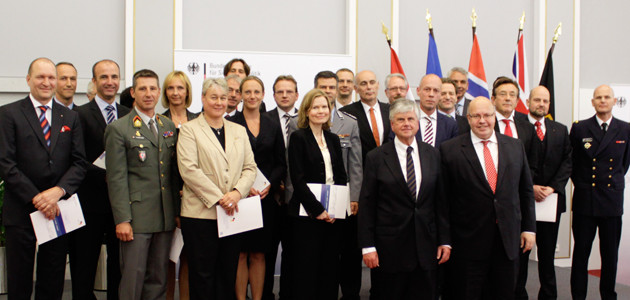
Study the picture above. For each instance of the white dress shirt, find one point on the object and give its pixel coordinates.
(102, 106)
(37, 104)
(379, 118)
(543, 127)
(600, 122)
(493, 146)
(500, 119)
(146, 119)
(453, 114)
(459, 106)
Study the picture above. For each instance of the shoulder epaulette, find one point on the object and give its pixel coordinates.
(348, 115)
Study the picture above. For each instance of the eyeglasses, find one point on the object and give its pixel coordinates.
(485, 117)
(398, 88)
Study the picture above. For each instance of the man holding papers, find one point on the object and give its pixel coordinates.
(404, 223)
(42, 160)
(550, 162)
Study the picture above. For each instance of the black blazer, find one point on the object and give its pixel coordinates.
(28, 166)
(367, 139)
(605, 157)
(445, 130)
(93, 191)
(306, 165)
(550, 160)
(405, 231)
(524, 129)
(462, 125)
(189, 115)
(475, 212)
(268, 148)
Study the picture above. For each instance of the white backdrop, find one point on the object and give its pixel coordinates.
(267, 66)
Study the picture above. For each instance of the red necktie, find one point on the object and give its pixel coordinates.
(491, 172)
(508, 129)
(539, 132)
(377, 138)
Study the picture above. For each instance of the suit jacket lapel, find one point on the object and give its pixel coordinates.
(31, 117)
(473, 159)
(611, 132)
(98, 116)
(425, 166)
(57, 123)
(502, 160)
(144, 128)
(385, 116)
(213, 138)
(392, 162)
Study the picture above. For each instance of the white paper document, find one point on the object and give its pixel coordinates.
(261, 181)
(69, 219)
(177, 244)
(100, 161)
(546, 209)
(334, 198)
(248, 217)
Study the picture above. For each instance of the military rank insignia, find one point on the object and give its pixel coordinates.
(137, 122)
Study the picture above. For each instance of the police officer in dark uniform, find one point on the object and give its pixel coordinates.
(601, 156)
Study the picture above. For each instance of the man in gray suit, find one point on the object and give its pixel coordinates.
(141, 176)
(345, 126)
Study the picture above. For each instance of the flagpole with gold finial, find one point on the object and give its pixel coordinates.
(430, 22)
(521, 26)
(556, 34)
(386, 32)
(473, 18)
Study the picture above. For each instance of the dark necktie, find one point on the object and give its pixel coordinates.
(411, 173)
(428, 132)
(44, 124)
(286, 118)
(604, 127)
(153, 129)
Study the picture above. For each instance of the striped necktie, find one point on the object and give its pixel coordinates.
(411, 173)
(110, 114)
(428, 132)
(43, 122)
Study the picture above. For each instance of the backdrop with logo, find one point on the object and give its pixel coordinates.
(199, 65)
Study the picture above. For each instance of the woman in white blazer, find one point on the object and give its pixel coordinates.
(217, 165)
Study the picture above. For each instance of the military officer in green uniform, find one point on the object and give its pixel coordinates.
(141, 168)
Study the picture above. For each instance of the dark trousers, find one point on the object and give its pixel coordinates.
(314, 260)
(350, 260)
(546, 238)
(51, 265)
(493, 277)
(280, 232)
(212, 262)
(416, 284)
(84, 247)
(584, 228)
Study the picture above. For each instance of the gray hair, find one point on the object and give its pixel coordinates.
(402, 105)
(214, 82)
(390, 76)
(457, 69)
(235, 77)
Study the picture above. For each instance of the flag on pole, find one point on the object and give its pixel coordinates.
(395, 66)
(546, 80)
(433, 60)
(519, 70)
(477, 84)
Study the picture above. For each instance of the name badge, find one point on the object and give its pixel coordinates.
(587, 140)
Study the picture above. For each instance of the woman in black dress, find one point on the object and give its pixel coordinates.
(314, 157)
(266, 140)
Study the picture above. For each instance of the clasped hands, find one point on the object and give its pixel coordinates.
(229, 202)
(46, 201)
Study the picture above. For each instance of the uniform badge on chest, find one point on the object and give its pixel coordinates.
(142, 155)
(587, 146)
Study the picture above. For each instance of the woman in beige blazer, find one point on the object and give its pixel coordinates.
(217, 165)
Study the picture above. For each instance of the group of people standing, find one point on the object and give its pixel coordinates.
(444, 185)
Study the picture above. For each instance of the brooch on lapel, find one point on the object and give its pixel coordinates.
(168, 134)
(65, 128)
(137, 122)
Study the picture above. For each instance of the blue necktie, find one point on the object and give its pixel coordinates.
(44, 124)
(110, 114)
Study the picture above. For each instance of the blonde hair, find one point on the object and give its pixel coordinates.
(307, 104)
(181, 76)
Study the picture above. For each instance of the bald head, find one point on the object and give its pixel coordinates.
(603, 101)
(481, 117)
(366, 85)
(429, 92)
(538, 102)
(39, 60)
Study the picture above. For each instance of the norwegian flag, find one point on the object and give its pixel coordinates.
(477, 84)
(396, 67)
(519, 70)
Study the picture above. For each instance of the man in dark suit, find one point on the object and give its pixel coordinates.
(446, 105)
(601, 156)
(435, 128)
(491, 206)
(372, 115)
(403, 222)
(550, 163)
(143, 190)
(66, 84)
(42, 160)
(85, 243)
(460, 77)
(509, 122)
